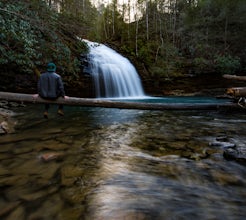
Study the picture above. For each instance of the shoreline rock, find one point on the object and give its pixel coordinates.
(7, 123)
(231, 151)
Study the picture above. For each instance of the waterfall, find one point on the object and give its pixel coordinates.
(113, 75)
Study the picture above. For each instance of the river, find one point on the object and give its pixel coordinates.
(98, 163)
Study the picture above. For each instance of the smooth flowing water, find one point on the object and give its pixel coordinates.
(122, 164)
(113, 74)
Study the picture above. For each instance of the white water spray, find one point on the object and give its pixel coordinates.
(114, 76)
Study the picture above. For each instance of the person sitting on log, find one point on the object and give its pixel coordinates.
(50, 87)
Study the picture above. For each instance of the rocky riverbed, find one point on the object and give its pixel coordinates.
(232, 151)
(97, 163)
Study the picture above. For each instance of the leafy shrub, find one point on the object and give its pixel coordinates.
(201, 65)
(18, 40)
(227, 64)
(31, 36)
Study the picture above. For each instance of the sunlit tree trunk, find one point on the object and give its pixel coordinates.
(136, 38)
(160, 27)
(147, 20)
(105, 27)
(136, 29)
(113, 16)
(172, 10)
(129, 18)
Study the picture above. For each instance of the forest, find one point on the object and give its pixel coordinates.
(165, 39)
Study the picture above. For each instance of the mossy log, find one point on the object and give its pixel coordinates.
(241, 78)
(90, 102)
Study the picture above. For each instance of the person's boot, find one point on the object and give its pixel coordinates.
(45, 114)
(60, 112)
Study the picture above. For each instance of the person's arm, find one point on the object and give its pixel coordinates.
(61, 87)
(39, 86)
(35, 96)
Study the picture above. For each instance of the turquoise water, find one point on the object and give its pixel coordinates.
(175, 99)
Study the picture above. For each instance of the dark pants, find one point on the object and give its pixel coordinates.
(47, 106)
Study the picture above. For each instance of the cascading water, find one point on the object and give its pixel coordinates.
(114, 76)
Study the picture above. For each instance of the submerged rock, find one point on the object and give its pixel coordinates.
(33, 196)
(222, 144)
(70, 174)
(18, 213)
(236, 154)
(232, 149)
(51, 156)
(53, 201)
(8, 208)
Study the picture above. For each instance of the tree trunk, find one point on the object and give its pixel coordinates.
(147, 20)
(136, 37)
(129, 19)
(225, 33)
(19, 97)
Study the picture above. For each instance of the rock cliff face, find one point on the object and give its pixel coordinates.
(206, 84)
(81, 87)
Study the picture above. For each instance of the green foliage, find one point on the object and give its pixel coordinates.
(201, 65)
(227, 64)
(18, 39)
(143, 53)
(31, 36)
(167, 39)
(158, 71)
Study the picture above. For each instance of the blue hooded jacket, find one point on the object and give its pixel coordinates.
(50, 86)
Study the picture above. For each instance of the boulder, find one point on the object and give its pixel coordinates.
(236, 154)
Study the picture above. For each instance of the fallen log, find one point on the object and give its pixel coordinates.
(228, 76)
(236, 92)
(90, 102)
